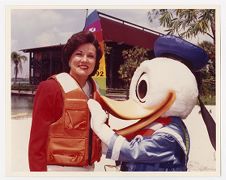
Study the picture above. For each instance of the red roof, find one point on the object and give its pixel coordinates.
(127, 34)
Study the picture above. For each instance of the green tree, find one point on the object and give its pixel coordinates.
(208, 73)
(17, 59)
(186, 22)
(132, 59)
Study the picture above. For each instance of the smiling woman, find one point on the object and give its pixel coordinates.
(61, 137)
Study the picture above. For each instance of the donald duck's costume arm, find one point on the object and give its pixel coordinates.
(153, 149)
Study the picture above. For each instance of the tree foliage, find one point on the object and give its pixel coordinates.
(17, 59)
(132, 59)
(208, 72)
(186, 22)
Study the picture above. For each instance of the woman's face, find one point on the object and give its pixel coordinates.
(83, 60)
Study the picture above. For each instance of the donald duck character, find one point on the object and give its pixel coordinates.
(163, 92)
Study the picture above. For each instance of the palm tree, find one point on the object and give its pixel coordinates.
(17, 60)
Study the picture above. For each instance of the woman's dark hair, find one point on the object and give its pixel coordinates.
(75, 41)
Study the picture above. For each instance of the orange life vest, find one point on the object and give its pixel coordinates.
(71, 142)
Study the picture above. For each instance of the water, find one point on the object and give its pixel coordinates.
(21, 105)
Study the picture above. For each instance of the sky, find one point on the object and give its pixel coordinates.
(42, 27)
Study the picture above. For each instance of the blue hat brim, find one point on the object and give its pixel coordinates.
(189, 53)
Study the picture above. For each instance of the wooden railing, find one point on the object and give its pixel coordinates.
(117, 94)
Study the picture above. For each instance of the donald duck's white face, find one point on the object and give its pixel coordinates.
(161, 87)
(154, 79)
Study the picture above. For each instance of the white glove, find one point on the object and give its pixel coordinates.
(98, 119)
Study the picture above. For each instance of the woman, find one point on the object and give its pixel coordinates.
(61, 137)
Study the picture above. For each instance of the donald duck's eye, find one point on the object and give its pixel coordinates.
(141, 88)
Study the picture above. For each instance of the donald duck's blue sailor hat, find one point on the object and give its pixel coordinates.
(188, 53)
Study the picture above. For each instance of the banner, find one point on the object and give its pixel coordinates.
(93, 24)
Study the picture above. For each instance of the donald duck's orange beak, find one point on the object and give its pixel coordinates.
(131, 110)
